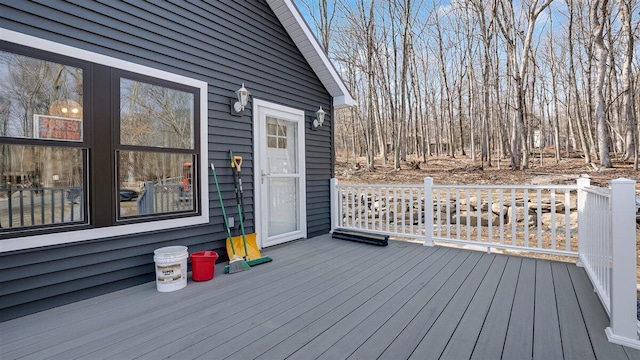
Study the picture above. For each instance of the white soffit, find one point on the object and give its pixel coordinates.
(308, 45)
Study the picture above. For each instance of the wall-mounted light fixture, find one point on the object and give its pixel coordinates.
(237, 105)
(317, 122)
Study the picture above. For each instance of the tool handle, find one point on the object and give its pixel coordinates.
(224, 214)
(236, 162)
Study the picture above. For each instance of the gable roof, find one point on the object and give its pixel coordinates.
(308, 45)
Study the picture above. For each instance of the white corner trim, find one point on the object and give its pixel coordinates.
(117, 230)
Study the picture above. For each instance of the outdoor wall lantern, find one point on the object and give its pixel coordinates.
(237, 107)
(317, 122)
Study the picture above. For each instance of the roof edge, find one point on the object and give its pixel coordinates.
(332, 81)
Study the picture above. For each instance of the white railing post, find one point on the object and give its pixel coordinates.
(623, 329)
(428, 211)
(582, 218)
(335, 203)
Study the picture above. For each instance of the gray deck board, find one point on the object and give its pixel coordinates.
(595, 317)
(546, 329)
(462, 341)
(519, 341)
(331, 299)
(575, 340)
(417, 289)
(389, 331)
(294, 317)
(242, 309)
(381, 287)
(322, 334)
(153, 307)
(490, 342)
(412, 334)
(434, 342)
(99, 306)
(207, 311)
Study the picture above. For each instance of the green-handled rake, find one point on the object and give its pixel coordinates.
(236, 263)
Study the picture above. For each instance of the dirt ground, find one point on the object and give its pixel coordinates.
(462, 171)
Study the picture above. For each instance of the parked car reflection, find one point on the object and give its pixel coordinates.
(128, 195)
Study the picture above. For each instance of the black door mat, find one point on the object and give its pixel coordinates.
(367, 238)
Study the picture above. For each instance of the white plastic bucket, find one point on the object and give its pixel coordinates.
(171, 268)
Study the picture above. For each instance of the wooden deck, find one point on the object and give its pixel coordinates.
(334, 299)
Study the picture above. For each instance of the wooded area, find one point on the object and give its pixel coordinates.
(489, 80)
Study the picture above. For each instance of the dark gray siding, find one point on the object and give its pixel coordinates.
(223, 43)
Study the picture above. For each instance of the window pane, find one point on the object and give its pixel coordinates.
(283, 195)
(155, 183)
(282, 148)
(156, 116)
(39, 99)
(40, 185)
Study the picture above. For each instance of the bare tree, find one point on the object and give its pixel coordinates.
(631, 136)
(599, 13)
(466, 77)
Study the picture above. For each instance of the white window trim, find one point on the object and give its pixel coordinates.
(28, 242)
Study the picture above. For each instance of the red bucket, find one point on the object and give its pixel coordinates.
(203, 265)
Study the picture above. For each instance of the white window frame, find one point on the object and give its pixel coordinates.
(66, 237)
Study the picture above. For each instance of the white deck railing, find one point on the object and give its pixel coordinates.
(608, 253)
(529, 218)
(595, 238)
(517, 217)
(389, 209)
(570, 220)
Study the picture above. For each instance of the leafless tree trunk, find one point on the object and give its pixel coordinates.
(599, 13)
(574, 84)
(631, 137)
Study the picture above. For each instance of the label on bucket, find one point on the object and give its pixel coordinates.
(169, 273)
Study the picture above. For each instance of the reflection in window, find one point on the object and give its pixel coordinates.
(282, 146)
(39, 99)
(155, 183)
(276, 134)
(156, 116)
(40, 185)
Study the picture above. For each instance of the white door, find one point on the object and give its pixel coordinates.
(279, 173)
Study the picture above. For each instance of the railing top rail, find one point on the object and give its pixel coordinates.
(40, 188)
(398, 186)
(602, 191)
(413, 186)
(531, 187)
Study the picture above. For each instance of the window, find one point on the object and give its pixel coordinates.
(92, 146)
(157, 149)
(42, 148)
(276, 134)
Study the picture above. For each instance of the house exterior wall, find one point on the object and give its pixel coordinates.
(223, 43)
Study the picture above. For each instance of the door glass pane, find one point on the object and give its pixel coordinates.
(40, 185)
(282, 147)
(155, 183)
(283, 205)
(152, 115)
(39, 99)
